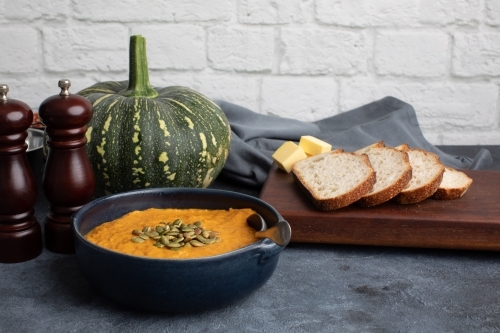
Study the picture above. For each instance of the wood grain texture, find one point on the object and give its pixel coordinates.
(471, 222)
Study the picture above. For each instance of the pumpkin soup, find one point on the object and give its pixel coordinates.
(176, 233)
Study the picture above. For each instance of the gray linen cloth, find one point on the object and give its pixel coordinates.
(255, 137)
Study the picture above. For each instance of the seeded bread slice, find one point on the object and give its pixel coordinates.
(335, 179)
(427, 173)
(393, 170)
(454, 184)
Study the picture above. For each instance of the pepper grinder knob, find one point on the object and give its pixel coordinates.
(4, 89)
(20, 232)
(64, 84)
(68, 178)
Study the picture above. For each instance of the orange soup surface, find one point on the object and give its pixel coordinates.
(234, 233)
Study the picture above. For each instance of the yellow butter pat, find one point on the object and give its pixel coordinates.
(286, 155)
(313, 146)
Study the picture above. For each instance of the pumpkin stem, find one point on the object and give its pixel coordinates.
(138, 83)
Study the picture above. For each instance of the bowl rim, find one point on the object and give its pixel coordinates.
(258, 244)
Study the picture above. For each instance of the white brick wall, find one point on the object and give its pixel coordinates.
(306, 59)
(411, 53)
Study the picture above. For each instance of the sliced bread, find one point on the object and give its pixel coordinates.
(454, 184)
(335, 179)
(377, 144)
(393, 170)
(427, 173)
(403, 147)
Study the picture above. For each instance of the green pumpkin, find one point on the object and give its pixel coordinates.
(144, 137)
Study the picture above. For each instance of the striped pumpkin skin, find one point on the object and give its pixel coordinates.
(178, 139)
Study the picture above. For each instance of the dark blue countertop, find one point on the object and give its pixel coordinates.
(315, 288)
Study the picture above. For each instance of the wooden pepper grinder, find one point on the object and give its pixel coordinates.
(20, 232)
(68, 178)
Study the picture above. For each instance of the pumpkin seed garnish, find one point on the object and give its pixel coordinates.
(152, 234)
(164, 240)
(137, 240)
(177, 240)
(176, 235)
(196, 243)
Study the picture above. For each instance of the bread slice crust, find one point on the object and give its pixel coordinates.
(364, 150)
(384, 160)
(333, 165)
(421, 186)
(452, 189)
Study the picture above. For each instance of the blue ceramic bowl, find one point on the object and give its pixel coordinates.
(174, 285)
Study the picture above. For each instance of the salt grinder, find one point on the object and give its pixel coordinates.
(68, 178)
(20, 232)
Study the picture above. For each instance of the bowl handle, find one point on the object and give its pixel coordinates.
(270, 248)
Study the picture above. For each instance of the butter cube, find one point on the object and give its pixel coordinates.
(286, 155)
(313, 146)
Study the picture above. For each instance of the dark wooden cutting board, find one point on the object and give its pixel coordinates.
(471, 222)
